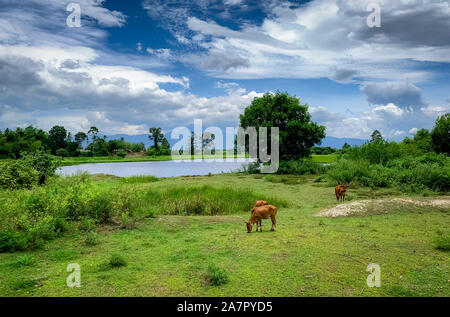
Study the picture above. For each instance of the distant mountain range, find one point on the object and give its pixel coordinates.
(330, 141)
(337, 143)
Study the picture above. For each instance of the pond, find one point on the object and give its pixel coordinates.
(157, 168)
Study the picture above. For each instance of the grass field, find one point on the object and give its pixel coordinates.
(305, 256)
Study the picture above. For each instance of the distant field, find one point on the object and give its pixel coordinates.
(329, 158)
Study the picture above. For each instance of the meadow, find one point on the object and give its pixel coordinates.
(186, 236)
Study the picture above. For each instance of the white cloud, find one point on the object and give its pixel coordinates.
(329, 38)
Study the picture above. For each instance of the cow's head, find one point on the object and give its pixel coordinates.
(260, 203)
(249, 226)
(345, 186)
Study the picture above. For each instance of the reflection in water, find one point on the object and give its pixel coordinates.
(158, 169)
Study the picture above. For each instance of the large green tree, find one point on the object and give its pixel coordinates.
(57, 138)
(156, 136)
(298, 134)
(441, 134)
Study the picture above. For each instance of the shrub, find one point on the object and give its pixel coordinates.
(91, 239)
(62, 153)
(301, 167)
(216, 276)
(18, 174)
(122, 153)
(116, 260)
(24, 260)
(442, 242)
(42, 162)
(11, 241)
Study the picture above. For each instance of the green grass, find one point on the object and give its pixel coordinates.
(328, 158)
(174, 255)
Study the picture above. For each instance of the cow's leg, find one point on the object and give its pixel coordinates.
(274, 222)
(260, 225)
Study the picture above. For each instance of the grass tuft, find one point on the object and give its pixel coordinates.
(116, 260)
(216, 276)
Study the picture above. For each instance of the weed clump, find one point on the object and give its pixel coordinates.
(216, 276)
(116, 260)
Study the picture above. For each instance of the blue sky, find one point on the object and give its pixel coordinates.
(137, 64)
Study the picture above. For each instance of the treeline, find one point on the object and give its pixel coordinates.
(59, 142)
(420, 164)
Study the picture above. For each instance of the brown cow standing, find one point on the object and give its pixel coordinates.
(340, 191)
(260, 203)
(259, 213)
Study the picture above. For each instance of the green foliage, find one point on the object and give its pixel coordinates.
(410, 174)
(11, 241)
(442, 242)
(207, 200)
(139, 179)
(301, 167)
(12, 143)
(91, 239)
(323, 150)
(441, 134)
(156, 135)
(57, 138)
(62, 153)
(41, 162)
(121, 153)
(298, 134)
(30, 218)
(23, 260)
(216, 276)
(116, 260)
(18, 174)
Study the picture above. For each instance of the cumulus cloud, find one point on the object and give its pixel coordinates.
(315, 39)
(403, 94)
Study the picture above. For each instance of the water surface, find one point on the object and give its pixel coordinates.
(157, 168)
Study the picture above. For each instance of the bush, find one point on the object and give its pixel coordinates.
(24, 260)
(91, 239)
(428, 172)
(18, 174)
(216, 276)
(62, 153)
(442, 242)
(11, 241)
(301, 167)
(122, 153)
(116, 260)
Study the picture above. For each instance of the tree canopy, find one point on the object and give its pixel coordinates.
(298, 134)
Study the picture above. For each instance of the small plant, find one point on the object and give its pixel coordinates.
(116, 260)
(216, 276)
(91, 239)
(24, 260)
(442, 241)
(128, 220)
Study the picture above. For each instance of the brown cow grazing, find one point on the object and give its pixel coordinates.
(260, 203)
(259, 213)
(340, 191)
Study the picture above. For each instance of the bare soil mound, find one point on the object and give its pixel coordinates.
(362, 207)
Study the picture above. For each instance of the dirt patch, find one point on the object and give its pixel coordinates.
(363, 206)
